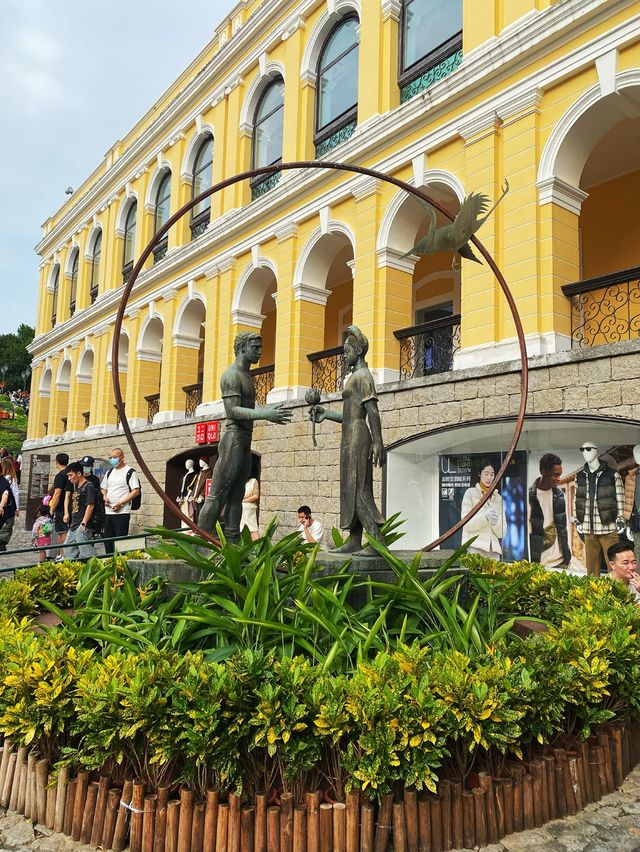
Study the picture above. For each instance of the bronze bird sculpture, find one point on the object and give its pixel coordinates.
(455, 235)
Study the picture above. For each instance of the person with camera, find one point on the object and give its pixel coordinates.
(310, 528)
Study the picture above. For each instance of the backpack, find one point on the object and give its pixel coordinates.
(137, 500)
(98, 516)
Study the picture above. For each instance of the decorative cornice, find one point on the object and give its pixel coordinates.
(364, 187)
(241, 317)
(556, 191)
(394, 260)
(391, 10)
(286, 231)
(149, 355)
(185, 341)
(310, 293)
(479, 126)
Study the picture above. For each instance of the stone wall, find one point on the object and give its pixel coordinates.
(603, 381)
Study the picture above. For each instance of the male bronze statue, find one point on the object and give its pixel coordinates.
(233, 468)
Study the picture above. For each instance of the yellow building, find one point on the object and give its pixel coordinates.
(449, 95)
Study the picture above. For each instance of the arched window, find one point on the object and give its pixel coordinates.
(268, 126)
(431, 35)
(54, 298)
(202, 177)
(129, 241)
(74, 284)
(95, 267)
(163, 199)
(337, 85)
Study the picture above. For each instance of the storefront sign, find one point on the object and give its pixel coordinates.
(208, 433)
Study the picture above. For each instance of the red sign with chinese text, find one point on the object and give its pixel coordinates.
(207, 487)
(208, 433)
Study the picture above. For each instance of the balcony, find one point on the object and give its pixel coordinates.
(127, 269)
(263, 378)
(153, 406)
(192, 398)
(429, 348)
(328, 369)
(605, 309)
(160, 250)
(86, 417)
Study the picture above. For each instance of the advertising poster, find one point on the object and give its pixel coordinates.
(500, 527)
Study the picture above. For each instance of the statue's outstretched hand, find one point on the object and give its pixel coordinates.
(378, 455)
(276, 414)
(317, 414)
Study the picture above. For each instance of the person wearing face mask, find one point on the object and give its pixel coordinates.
(185, 497)
(632, 499)
(120, 487)
(98, 516)
(599, 506)
(200, 486)
(489, 524)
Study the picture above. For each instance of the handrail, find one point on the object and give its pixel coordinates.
(260, 371)
(432, 325)
(620, 277)
(325, 353)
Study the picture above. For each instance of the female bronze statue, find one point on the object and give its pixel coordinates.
(360, 448)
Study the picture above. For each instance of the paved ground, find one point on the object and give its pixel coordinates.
(611, 824)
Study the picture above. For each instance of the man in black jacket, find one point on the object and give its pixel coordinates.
(549, 535)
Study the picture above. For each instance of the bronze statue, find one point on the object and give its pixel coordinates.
(233, 467)
(455, 236)
(360, 447)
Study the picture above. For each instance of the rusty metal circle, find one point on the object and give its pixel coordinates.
(343, 167)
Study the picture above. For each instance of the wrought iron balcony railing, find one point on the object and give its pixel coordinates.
(328, 369)
(160, 250)
(193, 398)
(126, 272)
(428, 349)
(263, 378)
(153, 406)
(93, 294)
(86, 416)
(605, 309)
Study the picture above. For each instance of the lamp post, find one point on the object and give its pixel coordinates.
(3, 372)
(25, 378)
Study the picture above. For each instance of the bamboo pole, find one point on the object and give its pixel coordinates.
(137, 814)
(518, 801)
(211, 821)
(399, 829)
(110, 817)
(444, 791)
(326, 828)
(544, 792)
(581, 779)
(366, 827)
(618, 764)
(507, 786)
(89, 812)
(286, 823)
(42, 773)
(104, 783)
(384, 823)
(353, 822)
(411, 820)
(173, 823)
(560, 791)
(486, 782)
(586, 767)
(480, 814)
(61, 798)
(435, 811)
(536, 771)
(424, 824)
(527, 802)
(30, 799)
(68, 810)
(273, 830)
(51, 801)
(339, 827)
(574, 780)
(594, 768)
(601, 766)
(498, 788)
(186, 819)
(233, 840)
(122, 820)
(7, 749)
(468, 819)
(603, 742)
(456, 815)
(82, 782)
(312, 801)
(300, 829)
(149, 822)
(550, 766)
(19, 780)
(160, 822)
(197, 827)
(569, 792)
(247, 828)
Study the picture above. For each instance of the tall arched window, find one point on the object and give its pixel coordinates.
(202, 177)
(163, 198)
(95, 267)
(129, 241)
(268, 126)
(54, 298)
(337, 86)
(431, 43)
(74, 284)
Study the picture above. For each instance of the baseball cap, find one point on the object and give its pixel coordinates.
(87, 461)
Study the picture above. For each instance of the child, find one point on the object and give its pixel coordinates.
(41, 532)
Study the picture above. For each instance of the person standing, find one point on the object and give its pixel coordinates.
(59, 503)
(83, 501)
(8, 470)
(310, 528)
(250, 508)
(548, 531)
(7, 513)
(120, 486)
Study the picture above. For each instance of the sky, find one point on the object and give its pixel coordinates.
(75, 77)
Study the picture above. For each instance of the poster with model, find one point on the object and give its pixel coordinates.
(500, 526)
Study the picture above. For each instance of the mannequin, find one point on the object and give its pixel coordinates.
(599, 506)
(199, 488)
(632, 499)
(185, 497)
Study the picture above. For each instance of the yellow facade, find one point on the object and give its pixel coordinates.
(547, 95)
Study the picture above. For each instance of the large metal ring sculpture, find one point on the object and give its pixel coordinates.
(342, 167)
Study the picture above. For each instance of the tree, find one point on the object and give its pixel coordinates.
(14, 356)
